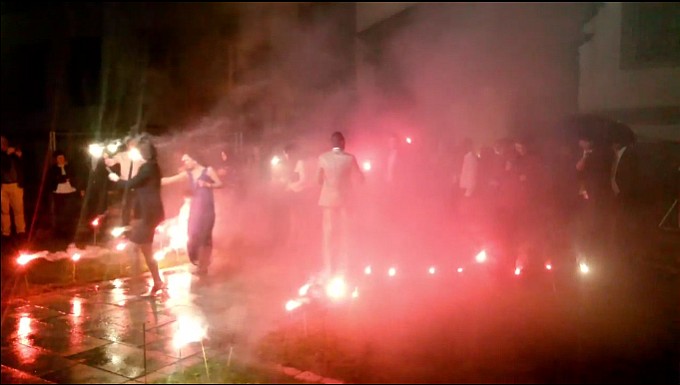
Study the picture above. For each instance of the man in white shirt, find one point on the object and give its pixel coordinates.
(337, 169)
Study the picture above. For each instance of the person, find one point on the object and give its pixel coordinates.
(147, 182)
(625, 182)
(202, 180)
(12, 190)
(595, 189)
(66, 194)
(337, 170)
(128, 169)
(300, 187)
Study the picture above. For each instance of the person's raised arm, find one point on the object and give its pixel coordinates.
(173, 179)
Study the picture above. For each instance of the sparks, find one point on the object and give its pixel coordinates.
(408, 140)
(481, 257)
(392, 272)
(293, 304)
(548, 266)
(112, 148)
(304, 290)
(518, 271)
(337, 288)
(135, 155)
(26, 258)
(96, 150)
(121, 246)
(275, 160)
(584, 268)
(76, 257)
(368, 270)
(95, 222)
(118, 231)
(432, 270)
(159, 255)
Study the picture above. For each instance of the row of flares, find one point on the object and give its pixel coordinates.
(337, 289)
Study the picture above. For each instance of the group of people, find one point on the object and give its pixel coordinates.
(526, 201)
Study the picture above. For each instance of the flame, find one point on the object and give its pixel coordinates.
(95, 222)
(77, 306)
(135, 155)
(76, 257)
(518, 271)
(392, 272)
(118, 231)
(408, 140)
(460, 269)
(25, 258)
(112, 147)
(293, 304)
(548, 266)
(337, 288)
(190, 328)
(481, 257)
(96, 150)
(159, 255)
(584, 268)
(275, 160)
(304, 290)
(432, 270)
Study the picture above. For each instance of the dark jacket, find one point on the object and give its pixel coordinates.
(627, 176)
(55, 177)
(12, 171)
(147, 184)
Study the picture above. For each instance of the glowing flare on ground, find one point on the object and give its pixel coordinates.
(275, 160)
(367, 166)
(24, 326)
(432, 270)
(392, 272)
(121, 246)
(460, 269)
(518, 271)
(368, 270)
(336, 288)
(355, 293)
(293, 304)
(584, 268)
(77, 306)
(189, 329)
(408, 140)
(481, 257)
(76, 257)
(25, 258)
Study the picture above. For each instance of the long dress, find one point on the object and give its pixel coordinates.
(201, 216)
(147, 183)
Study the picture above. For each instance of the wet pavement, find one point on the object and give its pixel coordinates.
(111, 332)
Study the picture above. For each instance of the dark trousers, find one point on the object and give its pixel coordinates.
(65, 214)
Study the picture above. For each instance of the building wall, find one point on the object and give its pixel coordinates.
(644, 95)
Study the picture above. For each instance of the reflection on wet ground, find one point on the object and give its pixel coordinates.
(112, 332)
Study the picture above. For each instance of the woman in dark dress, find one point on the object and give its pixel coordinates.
(147, 184)
(202, 180)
